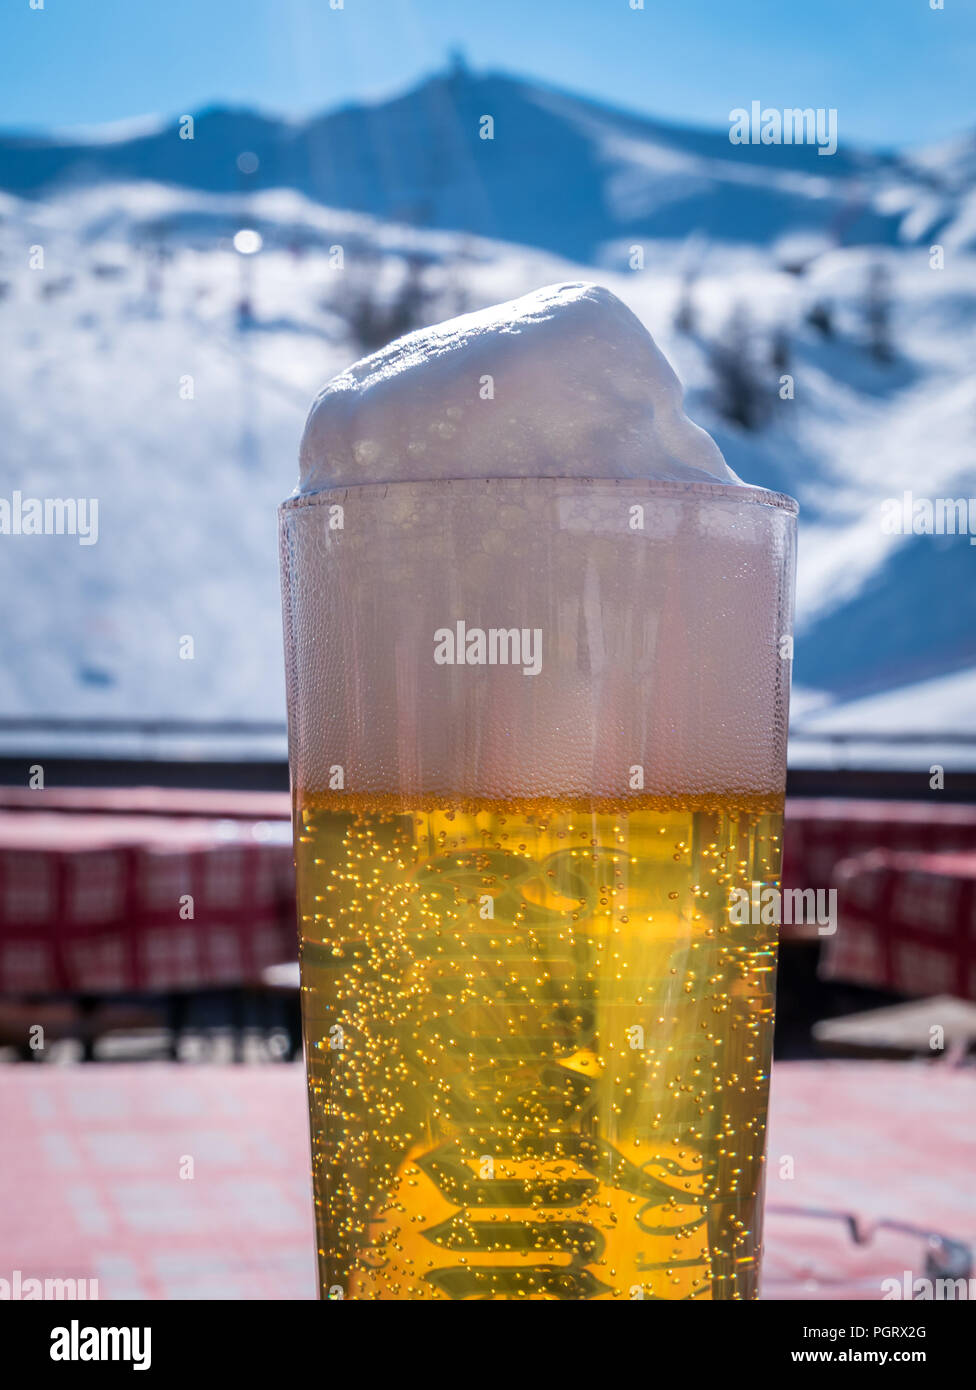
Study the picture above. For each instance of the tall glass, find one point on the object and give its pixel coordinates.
(537, 734)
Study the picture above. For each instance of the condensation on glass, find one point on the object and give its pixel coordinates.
(537, 736)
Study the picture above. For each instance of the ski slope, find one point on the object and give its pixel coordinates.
(130, 378)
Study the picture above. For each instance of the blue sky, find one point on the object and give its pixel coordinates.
(897, 71)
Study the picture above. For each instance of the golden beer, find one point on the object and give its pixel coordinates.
(538, 1047)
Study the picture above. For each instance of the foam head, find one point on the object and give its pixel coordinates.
(527, 472)
(565, 382)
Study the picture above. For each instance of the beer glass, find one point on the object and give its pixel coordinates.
(537, 734)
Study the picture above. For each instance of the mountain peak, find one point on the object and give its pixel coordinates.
(553, 169)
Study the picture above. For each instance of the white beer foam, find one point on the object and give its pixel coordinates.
(660, 664)
(582, 506)
(565, 382)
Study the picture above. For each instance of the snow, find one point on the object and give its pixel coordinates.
(102, 341)
(932, 706)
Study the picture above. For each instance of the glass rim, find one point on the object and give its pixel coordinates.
(716, 491)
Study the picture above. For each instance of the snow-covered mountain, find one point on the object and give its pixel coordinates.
(560, 172)
(151, 366)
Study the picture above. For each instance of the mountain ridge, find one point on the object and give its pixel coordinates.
(566, 173)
